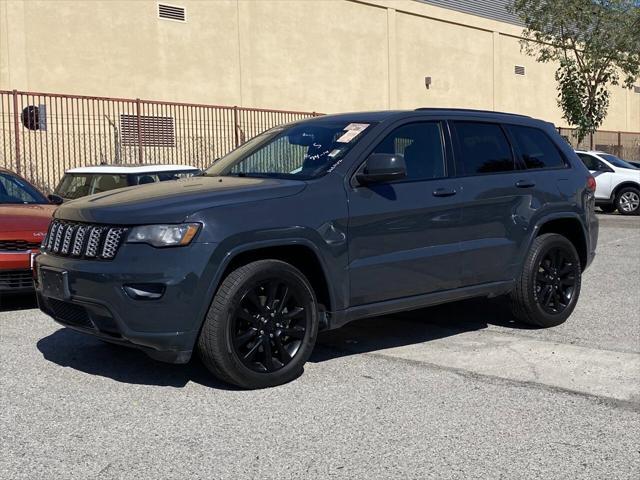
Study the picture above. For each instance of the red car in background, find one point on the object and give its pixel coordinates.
(25, 213)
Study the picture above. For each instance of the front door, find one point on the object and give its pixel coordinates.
(403, 235)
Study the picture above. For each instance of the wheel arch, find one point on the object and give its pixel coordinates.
(569, 227)
(300, 253)
(626, 183)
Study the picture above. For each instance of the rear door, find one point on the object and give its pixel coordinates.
(495, 196)
(403, 235)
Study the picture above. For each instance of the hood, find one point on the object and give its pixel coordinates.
(25, 218)
(171, 202)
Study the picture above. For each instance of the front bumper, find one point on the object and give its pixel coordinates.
(95, 301)
(15, 271)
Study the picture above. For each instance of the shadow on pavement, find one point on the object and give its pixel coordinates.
(82, 352)
(412, 327)
(21, 301)
(68, 348)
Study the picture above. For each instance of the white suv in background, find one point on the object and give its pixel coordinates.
(83, 181)
(617, 182)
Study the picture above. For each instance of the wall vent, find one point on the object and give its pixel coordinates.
(519, 70)
(636, 89)
(154, 131)
(172, 12)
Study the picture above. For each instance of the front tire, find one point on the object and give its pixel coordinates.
(549, 286)
(628, 201)
(261, 326)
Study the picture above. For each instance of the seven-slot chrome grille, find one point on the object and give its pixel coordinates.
(82, 240)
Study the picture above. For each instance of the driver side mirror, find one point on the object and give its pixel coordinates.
(382, 167)
(55, 199)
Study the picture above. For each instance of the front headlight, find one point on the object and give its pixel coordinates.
(164, 235)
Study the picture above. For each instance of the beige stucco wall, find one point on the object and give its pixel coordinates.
(312, 55)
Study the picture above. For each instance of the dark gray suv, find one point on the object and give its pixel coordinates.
(314, 224)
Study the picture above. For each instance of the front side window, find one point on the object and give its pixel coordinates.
(300, 151)
(482, 148)
(14, 190)
(421, 145)
(74, 186)
(536, 149)
(80, 185)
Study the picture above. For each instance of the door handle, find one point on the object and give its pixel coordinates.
(444, 192)
(525, 184)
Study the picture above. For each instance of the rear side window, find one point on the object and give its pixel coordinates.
(536, 148)
(591, 162)
(482, 148)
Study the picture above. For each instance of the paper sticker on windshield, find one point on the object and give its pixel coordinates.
(356, 126)
(352, 131)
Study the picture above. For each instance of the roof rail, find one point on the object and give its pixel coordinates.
(469, 110)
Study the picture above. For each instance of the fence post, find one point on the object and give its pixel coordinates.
(140, 151)
(16, 124)
(235, 125)
(619, 152)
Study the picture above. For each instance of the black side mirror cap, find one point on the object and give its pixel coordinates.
(382, 167)
(55, 199)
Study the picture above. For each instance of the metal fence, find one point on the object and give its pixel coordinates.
(44, 134)
(625, 145)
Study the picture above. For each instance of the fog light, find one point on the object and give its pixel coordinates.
(145, 291)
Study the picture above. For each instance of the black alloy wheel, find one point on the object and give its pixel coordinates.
(261, 326)
(556, 280)
(548, 288)
(269, 325)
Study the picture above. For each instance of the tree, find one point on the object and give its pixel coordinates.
(596, 44)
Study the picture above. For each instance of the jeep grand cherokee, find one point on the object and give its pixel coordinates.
(316, 223)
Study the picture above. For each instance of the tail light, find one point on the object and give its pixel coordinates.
(591, 183)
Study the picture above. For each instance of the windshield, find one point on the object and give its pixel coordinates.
(15, 190)
(80, 185)
(616, 162)
(300, 151)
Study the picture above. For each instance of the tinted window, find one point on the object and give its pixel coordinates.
(536, 148)
(482, 148)
(591, 162)
(421, 146)
(616, 162)
(15, 190)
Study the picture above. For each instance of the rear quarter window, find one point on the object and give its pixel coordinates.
(535, 148)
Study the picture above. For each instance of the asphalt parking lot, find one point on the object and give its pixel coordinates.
(457, 391)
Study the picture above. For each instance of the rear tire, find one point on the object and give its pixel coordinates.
(549, 286)
(261, 326)
(628, 201)
(608, 208)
